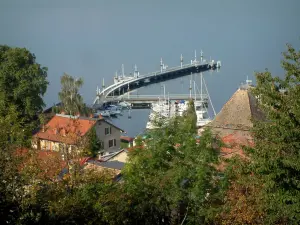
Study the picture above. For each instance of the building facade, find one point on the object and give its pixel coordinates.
(66, 132)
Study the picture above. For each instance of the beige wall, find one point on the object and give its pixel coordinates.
(121, 157)
(115, 134)
(100, 130)
(47, 145)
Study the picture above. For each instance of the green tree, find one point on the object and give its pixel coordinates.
(268, 185)
(172, 179)
(69, 95)
(93, 145)
(276, 154)
(11, 185)
(22, 84)
(191, 116)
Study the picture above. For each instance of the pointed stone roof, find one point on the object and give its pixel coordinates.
(237, 114)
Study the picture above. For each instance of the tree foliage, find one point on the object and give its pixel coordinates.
(72, 101)
(22, 84)
(269, 185)
(173, 178)
(11, 182)
(93, 145)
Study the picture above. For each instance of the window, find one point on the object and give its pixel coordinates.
(112, 143)
(107, 130)
(48, 145)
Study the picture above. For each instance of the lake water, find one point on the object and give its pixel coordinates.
(135, 125)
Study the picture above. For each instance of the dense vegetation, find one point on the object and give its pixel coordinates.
(171, 178)
(22, 86)
(266, 189)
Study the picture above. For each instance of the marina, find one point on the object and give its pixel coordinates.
(165, 109)
(119, 100)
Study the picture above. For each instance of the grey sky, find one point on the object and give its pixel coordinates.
(92, 39)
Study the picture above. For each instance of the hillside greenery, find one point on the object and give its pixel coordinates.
(172, 177)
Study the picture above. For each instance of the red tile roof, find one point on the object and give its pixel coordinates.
(65, 129)
(128, 139)
(235, 142)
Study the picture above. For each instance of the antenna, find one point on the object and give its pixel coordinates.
(195, 55)
(248, 82)
(201, 55)
(135, 71)
(181, 60)
(123, 74)
(103, 85)
(161, 65)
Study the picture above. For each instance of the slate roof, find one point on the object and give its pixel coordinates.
(113, 165)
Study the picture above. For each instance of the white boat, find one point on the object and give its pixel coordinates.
(202, 113)
(201, 106)
(104, 113)
(113, 113)
(114, 110)
(117, 112)
(124, 104)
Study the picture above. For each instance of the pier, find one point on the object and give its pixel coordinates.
(124, 84)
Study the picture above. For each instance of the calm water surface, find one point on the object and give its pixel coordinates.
(135, 125)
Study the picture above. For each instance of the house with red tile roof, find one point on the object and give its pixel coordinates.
(65, 130)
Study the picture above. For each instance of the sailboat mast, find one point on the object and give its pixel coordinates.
(164, 93)
(201, 86)
(195, 90)
(191, 87)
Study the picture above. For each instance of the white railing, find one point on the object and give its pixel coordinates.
(124, 82)
(146, 97)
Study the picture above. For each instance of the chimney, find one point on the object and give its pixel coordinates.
(62, 113)
(43, 128)
(55, 131)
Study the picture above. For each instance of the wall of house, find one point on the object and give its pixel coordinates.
(105, 138)
(121, 157)
(49, 145)
(46, 145)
